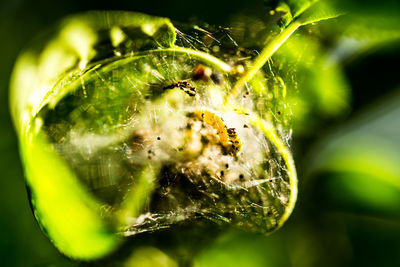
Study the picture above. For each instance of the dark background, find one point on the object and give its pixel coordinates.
(323, 231)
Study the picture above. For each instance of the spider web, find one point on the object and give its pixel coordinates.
(128, 132)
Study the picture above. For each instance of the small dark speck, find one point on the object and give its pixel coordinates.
(217, 78)
(269, 213)
(158, 138)
(245, 126)
(247, 114)
(204, 140)
(241, 176)
(279, 113)
(247, 93)
(149, 151)
(149, 157)
(222, 173)
(227, 165)
(270, 180)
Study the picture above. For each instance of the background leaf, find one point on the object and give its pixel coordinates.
(364, 158)
(316, 84)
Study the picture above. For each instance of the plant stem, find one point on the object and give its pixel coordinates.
(265, 54)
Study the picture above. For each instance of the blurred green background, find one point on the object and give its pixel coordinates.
(348, 211)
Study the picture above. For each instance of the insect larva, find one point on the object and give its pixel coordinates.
(228, 136)
(183, 85)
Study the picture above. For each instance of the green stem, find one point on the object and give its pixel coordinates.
(265, 54)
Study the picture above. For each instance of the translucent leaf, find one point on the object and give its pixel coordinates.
(69, 214)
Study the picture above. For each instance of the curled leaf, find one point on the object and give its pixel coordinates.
(69, 214)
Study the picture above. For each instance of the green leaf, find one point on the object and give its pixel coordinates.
(67, 213)
(71, 216)
(368, 29)
(317, 11)
(362, 160)
(304, 11)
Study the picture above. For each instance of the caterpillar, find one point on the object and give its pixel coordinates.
(228, 136)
